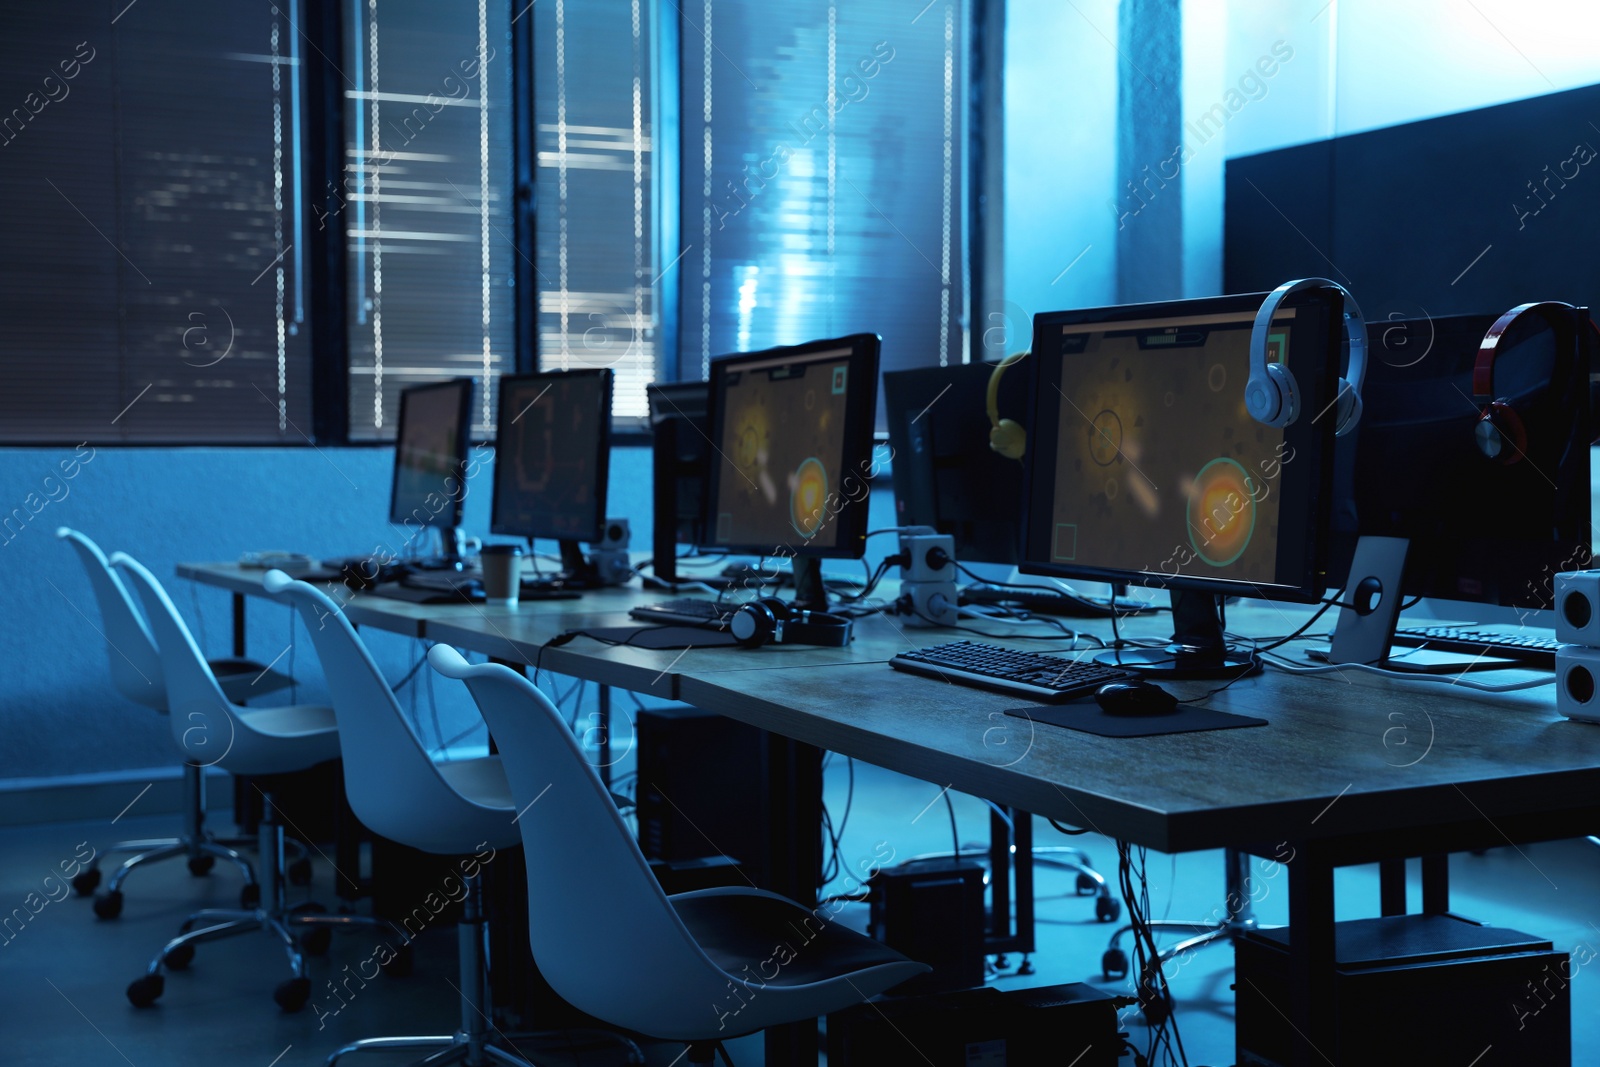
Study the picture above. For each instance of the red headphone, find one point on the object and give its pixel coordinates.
(1500, 432)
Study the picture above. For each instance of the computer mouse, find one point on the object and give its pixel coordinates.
(1135, 698)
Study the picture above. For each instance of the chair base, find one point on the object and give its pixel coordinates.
(274, 916)
(474, 1043)
(196, 843)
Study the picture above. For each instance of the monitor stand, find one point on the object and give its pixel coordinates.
(450, 539)
(1198, 649)
(809, 593)
(576, 571)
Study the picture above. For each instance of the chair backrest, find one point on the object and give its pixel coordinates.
(204, 722)
(591, 895)
(392, 783)
(135, 663)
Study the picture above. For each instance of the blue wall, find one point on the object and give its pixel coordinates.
(59, 712)
(165, 505)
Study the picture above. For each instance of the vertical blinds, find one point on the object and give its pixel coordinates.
(150, 287)
(426, 203)
(597, 253)
(823, 177)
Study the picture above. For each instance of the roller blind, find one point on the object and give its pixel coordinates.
(150, 287)
(599, 304)
(823, 177)
(426, 203)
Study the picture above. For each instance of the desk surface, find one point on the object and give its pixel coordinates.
(1344, 754)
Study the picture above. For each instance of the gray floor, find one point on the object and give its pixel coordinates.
(62, 974)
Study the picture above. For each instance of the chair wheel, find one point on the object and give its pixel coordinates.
(142, 992)
(85, 882)
(108, 905)
(315, 941)
(201, 864)
(179, 958)
(1087, 886)
(299, 871)
(293, 994)
(250, 896)
(1114, 965)
(1107, 909)
(402, 963)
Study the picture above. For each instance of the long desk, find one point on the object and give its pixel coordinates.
(1352, 767)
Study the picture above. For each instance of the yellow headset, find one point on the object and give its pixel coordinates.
(1006, 437)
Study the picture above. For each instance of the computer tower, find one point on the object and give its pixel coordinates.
(1412, 989)
(933, 912)
(1048, 1025)
(700, 788)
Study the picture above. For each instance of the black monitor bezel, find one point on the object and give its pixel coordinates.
(1305, 479)
(861, 405)
(463, 444)
(688, 406)
(918, 402)
(497, 525)
(1445, 572)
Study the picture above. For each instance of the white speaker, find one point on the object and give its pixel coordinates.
(614, 536)
(609, 556)
(1578, 607)
(1578, 682)
(929, 579)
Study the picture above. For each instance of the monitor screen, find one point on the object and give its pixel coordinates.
(1481, 531)
(552, 455)
(792, 429)
(945, 474)
(1144, 466)
(680, 421)
(430, 454)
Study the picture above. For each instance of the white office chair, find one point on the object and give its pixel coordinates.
(212, 730)
(700, 967)
(136, 673)
(400, 792)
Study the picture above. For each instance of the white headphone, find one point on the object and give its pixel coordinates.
(1271, 395)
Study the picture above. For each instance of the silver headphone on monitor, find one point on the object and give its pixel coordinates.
(1272, 396)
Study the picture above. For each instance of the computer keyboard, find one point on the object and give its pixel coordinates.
(686, 611)
(1044, 601)
(1526, 648)
(1041, 678)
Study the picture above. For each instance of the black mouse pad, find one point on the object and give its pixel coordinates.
(1088, 717)
(663, 637)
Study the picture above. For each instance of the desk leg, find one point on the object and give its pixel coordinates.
(1392, 887)
(1436, 884)
(1311, 956)
(793, 799)
(605, 736)
(238, 625)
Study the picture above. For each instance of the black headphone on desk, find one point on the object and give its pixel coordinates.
(771, 620)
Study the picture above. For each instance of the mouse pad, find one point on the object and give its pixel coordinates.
(662, 637)
(1088, 717)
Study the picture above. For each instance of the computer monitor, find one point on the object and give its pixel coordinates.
(792, 428)
(680, 463)
(430, 458)
(1490, 532)
(1143, 465)
(552, 458)
(945, 474)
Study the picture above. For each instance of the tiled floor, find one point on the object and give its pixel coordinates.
(62, 973)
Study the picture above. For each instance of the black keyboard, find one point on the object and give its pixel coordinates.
(1041, 678)
(687, 611)
(1526, 648)
(1043, 601)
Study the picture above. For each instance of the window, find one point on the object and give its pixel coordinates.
(150, 273)
(426, 203)
(598, 249)
(823, 174)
